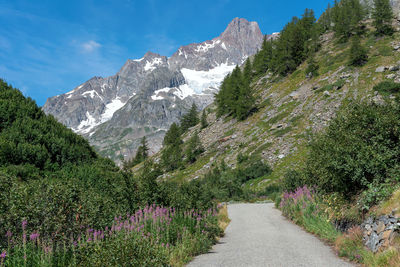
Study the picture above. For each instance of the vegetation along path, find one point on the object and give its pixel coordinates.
(259, 236)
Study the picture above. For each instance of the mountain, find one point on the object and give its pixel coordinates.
(147, 95)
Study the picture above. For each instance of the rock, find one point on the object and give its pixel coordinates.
(396, 47)
(394, 68)
(390, 76)
(380, 69)
(386, 234)
(326, 93)
(234, 136)
(295, 95)
(281, 156)
(345, 76)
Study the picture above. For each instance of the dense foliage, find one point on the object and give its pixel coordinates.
(383, 16)
(142, 154)
(360, 148)
(358, 54)
(190, 119)
(235, 96)
(33, 144)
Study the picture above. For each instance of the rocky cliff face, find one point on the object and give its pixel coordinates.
(147, 95)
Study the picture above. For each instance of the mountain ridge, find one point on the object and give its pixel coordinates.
(163, 87)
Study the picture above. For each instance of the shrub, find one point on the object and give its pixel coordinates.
(387, 87)
(292, 180)
(361, 146)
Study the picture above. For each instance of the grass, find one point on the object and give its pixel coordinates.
(223, 218)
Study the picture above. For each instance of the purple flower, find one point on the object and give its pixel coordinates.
(34, 236)
(24, 223)
(3, 254)
(9, 234)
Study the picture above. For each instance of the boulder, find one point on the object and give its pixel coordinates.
(394, 68)
(380, 69)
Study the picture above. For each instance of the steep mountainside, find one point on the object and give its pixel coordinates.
(147, 95)
(292, 108)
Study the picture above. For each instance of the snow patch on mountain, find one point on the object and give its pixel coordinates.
(86, 125)
(111, 108)
(184, 91)
(155, 96)
(151, 65)
(206, 46)
(199, 81)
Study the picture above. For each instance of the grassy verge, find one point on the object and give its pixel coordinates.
(307, 209)
(223, 218)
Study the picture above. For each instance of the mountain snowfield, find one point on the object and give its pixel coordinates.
(148, 94)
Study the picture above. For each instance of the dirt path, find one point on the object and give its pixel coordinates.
(258, 235)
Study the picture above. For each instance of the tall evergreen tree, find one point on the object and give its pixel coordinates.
(141, 155)
(194, 148)
(203, 120)
(148, 187)
(173, 135)
(171, 157)
(245, 101)
(190, 119)
(382, 16)
(358, 54)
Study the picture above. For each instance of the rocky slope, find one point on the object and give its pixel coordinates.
(292, 108)
(147, 95)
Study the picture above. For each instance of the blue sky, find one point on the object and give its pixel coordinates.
(48, 47)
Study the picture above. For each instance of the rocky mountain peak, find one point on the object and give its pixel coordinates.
(148, 94)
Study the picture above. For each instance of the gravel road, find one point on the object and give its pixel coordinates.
(259, 235)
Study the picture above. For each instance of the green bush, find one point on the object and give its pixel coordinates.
(387, 87)
(360, 147)
(292, 180)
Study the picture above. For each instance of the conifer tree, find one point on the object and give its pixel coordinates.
(203, 121)
(148, 187)
(190, 119)
(245, 101)
(173, 135)
(382, 16)
(171, 157)
(193, 149)
(358, 54)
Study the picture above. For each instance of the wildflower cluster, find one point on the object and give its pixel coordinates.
(305, 207)
(150, 236)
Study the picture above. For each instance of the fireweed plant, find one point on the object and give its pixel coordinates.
(153, 236)
(304, 207)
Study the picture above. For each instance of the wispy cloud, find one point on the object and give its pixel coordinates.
(90, 46)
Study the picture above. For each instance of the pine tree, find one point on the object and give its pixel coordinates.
(203, 121)
(148, 187)
(233, 90)
(142, 152)
(171, 157)
(245, 101)
(358, 54)
(193, 149)
(190, 119)
(141, 155)
(173, 136)
(382, 16)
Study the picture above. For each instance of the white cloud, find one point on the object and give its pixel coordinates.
(90, 46)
